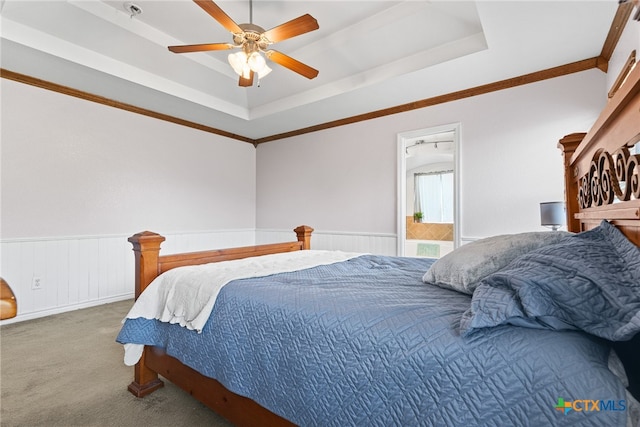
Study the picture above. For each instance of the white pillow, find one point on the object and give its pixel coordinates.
(463, 268)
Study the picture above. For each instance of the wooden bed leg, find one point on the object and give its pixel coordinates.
(304, 235)
(146, 248)
(145, 380)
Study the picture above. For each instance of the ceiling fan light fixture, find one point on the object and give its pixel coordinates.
(264, 71)
(243, 65)
(254, 41)
(238, 62)
(256, 62)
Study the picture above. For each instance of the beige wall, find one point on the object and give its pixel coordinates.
(72, 167)
(345, 179)
(78, 178)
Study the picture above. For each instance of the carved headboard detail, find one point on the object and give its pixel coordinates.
(602, 167)
(610, 175)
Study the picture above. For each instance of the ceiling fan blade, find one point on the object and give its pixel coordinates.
(200, 47)
(295, 27)
(246, 82)
(292, 64)
(218, 14)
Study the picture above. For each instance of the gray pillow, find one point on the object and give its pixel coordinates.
(462, 269)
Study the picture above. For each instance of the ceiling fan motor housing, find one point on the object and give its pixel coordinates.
(251, 34)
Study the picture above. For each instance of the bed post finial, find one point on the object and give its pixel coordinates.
(146, 248)
(304, 235)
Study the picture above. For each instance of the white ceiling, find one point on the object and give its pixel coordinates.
(371, 54)
(428, 149)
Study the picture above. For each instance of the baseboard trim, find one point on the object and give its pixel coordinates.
(66, 308)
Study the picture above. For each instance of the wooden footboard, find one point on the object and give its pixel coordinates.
(148, 265)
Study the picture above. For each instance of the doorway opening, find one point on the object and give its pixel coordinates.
(428, 191)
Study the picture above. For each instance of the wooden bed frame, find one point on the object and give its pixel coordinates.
(149, 264)
(590, 181)
(596, 163)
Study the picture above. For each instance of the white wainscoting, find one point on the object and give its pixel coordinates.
(84, 271)
(374, 243)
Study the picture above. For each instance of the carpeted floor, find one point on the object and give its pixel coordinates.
(67, 370)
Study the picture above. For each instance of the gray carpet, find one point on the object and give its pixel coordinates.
(67, 370)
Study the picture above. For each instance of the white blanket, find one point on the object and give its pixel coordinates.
(186, 295)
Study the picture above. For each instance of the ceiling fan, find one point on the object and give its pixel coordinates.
(253, 40)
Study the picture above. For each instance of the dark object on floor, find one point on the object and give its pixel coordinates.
(8, 303)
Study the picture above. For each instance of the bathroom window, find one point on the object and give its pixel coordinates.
(434, 196)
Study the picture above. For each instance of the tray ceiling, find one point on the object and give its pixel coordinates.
(371, 54)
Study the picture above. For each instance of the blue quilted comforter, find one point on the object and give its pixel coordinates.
(366, 342)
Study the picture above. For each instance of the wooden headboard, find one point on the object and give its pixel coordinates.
(602, 181)
(602, 176)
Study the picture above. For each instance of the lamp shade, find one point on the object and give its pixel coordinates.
(552, 214)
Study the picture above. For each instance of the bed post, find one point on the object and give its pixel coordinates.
(568, 145)
(146, 248)
(304, 236)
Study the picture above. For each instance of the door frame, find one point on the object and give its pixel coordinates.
(403, 138)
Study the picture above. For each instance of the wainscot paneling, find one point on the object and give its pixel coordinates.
(374, 243)
(80, 272)
(84, 271)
